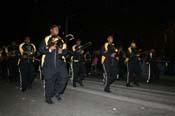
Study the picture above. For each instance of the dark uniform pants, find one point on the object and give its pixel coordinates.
(27, 73)
(13, 69)
(79, 71)
(134, 72)
(4, 70)
(57, 83)
(154, 71)
(122, 70)
(112, 72)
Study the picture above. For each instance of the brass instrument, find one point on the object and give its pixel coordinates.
(140, 52)
(84, 46)
(12, 53)
(30, 55)
(70, 37)
(58, 41)
(81, 48)
(114, 48)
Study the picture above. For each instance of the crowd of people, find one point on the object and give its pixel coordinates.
(55, 63)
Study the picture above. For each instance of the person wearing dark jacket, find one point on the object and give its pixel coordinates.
(55, 74)
(153, 73)
(133, 61)
(49, 64)
(110, 63)
(25, 63)
(78, 64)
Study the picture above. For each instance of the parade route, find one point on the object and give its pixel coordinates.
(89, 100)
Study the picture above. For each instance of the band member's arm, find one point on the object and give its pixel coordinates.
(21, 49)
(128, 54)
(62, 53)
(78, 49)
(65, 52)
(74, 49)
(43, 48)
(34, 48)
(129, 50)
(105, 52)
(64, 46)
(85, 58)
(148, 57)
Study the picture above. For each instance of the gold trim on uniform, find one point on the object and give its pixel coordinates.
(46, 39)
(106, 50)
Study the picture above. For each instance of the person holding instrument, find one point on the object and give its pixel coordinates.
(49, 51)
(134, 70)
(44, 47)
(25, 63)
(78, 65)
(109, 63)
(55, 71)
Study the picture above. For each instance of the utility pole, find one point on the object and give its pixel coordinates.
(66, 24)
(68, 19)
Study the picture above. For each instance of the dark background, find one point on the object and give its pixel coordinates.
(150, 23)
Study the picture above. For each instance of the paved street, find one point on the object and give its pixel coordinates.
(89, 100)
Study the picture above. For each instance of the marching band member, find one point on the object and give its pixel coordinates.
(134, 70)
(153, 72)
(13, 54)
(44, 48)
(47, 48)
(122, 66)
(25, 62)
(78, 65)
(110, 63)
(55, 73)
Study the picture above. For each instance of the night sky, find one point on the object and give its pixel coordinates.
(139, 20)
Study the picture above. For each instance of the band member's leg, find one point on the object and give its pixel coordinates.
(16, 72)
(109, 78)
(62, 78)
(137, 75)
(49, 89)
(104, 74)
(75, 73)
(10, 69)
(24, 75)
(64, 87)
(115, 72)
(130, 74)
(154, 72)
(31, 74)
(63, 72)
(112, 72)
(82, 71)
(157, 72)
(149, 73)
